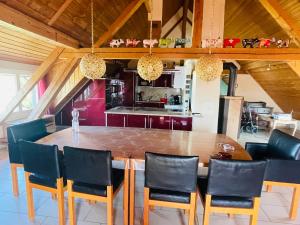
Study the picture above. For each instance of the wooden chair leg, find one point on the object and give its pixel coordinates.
(71, 205)
(53, 196)
(126, 192)
(254, 216)
(295, 203)
(268, 188)
(146, 206)
(30, 204)
(60, 201)
(207, 210)
(132, 193)
(192, 209)
(14, 176)
(110, 205)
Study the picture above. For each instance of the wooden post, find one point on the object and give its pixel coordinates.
(197, 23)
(38, 74)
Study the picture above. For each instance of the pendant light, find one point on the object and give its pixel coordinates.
(209, 67)
(92, 66)
(150, 67)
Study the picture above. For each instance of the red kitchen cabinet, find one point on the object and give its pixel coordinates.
(116, 120)
(165, 80)
(159, 122)
(181, 123)
(137, 121)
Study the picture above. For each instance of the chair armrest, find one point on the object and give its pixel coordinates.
(283, 170)
(257, 151)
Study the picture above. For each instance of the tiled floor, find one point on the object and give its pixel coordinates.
(13, 211)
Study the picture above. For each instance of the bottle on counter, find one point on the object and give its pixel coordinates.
(75, 120)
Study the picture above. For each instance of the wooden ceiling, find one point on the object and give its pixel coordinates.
(17, 46)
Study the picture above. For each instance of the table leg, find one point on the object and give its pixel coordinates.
(126, 193)
(132, 192)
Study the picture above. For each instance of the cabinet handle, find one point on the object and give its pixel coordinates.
(124, 122)
(172, 124)
(145, 122)
(150, 122)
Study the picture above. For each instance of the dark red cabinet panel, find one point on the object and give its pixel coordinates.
(181, 123)
(159, 122)
(116, 120)
(165, 80)
(137, 121)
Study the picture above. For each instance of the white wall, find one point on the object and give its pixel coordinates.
(252, 91)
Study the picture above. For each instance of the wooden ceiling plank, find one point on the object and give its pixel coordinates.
(59, 12)
(172, 28)
(53, 89)
(37, 75)
(120, 21)
(197, 23)
(23, 21)
(24, 60)
(148, 5)
(264, 54)
(184, 18)
(283, 18)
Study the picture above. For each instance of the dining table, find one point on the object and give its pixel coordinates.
(130, 145)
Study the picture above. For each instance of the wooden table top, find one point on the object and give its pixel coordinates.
(134, 142)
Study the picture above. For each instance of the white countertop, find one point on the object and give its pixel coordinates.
(147, 111)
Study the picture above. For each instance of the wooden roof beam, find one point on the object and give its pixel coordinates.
(53, 89)
(283, 18)
(16, 18)
(148, 6)
(38, 74)
(59, 12)
(264, 54)
(197, 23)
(120, 21)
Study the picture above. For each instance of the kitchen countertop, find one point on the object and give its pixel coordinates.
(146, 111)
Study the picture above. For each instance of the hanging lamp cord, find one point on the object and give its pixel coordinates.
(151, 12)
(92, 24)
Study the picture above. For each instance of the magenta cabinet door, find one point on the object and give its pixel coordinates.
(159, 122)
(116, 120)
(137, 121)
(181, 123)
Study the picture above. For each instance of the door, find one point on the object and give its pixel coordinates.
(116, 120)
(137, 121)
(181, 123)
(159, 122)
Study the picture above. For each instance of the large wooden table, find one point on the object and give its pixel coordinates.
(131, 144)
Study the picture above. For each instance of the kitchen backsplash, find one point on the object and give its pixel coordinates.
(156, 93)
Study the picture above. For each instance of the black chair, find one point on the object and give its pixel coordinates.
(232, 187)
(90, 176)
(29, 131)
(43, 165)
(170, 181)
(282, 153)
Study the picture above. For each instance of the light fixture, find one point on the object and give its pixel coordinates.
(269, 67)
(208, 67)
(150, 67)
(91, 65)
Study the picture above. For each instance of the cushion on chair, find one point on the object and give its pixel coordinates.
(169, 196)
(223, 201)
(44, 181)
(99, 190)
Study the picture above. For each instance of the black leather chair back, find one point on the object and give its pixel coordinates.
(29, 131)
(169, 172)
(284, 146)
(88, 166)
(235, 178)
(44, 160)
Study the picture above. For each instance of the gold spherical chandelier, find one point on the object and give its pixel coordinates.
(92, 66)
(208, 67)
(150, 67)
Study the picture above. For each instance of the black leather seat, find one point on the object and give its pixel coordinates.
(43, 165)
(170, 179)
(90, 176)
(29, 131)
(232, 184)
(282, 153)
